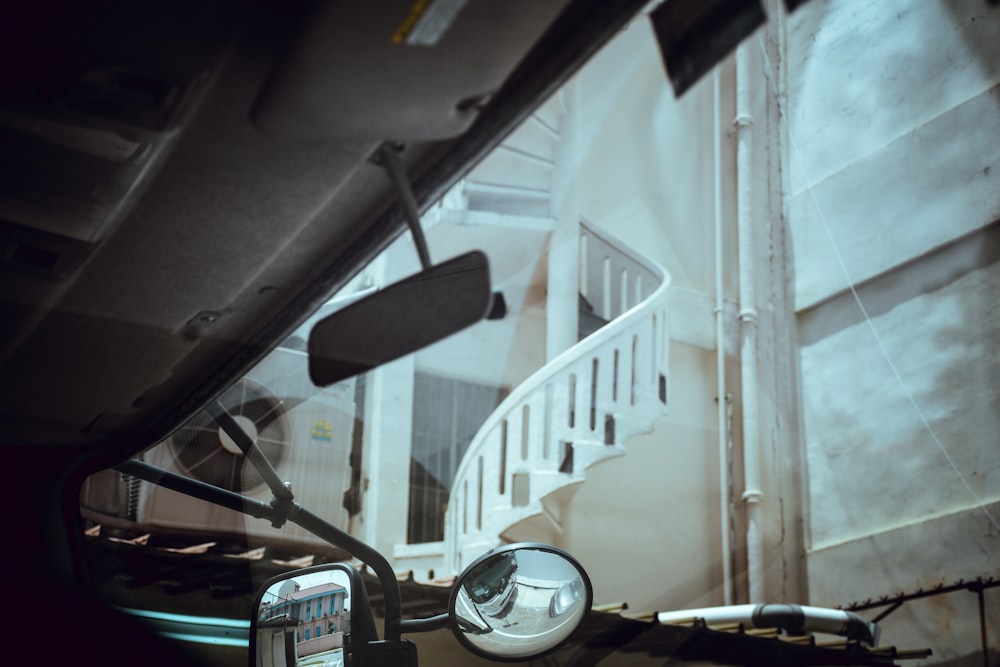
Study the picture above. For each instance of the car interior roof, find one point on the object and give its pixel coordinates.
(184, 183)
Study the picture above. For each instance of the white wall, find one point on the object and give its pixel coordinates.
(894, 144)
(645, 525)
(646, 165)
(889, 102)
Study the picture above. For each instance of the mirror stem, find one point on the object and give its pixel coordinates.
(388, 157)
(391, 596)
(424, 624)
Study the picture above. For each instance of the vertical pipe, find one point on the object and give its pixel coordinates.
(752, 494)
(720, 352)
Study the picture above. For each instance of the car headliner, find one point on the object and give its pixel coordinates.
(182, 185)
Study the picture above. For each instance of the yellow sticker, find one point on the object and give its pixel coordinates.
(427, 22)
(322, 430)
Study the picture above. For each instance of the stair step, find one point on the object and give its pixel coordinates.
(514, 168)
(547, 524)
(586, 454)
(520, 201)
(535, 528)
(534, 138)
(549, 114)
(469, 218)
(526, 154)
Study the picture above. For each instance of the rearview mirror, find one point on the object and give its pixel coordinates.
(519, 602)
(402, 318)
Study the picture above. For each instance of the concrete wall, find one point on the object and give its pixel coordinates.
(894, 190)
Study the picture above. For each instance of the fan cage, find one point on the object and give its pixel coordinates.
(198, 450)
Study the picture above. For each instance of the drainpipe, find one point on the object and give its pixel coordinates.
(720, 357)
(752, 494)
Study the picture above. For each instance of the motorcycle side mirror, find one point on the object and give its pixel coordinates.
(311, 617)
(519, 602)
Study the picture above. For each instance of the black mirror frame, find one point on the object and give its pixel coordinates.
(538, 546)
(363, 630)
(362, 335)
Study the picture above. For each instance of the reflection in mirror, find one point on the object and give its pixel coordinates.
(400, 319)
(301, 621)
(520, 602)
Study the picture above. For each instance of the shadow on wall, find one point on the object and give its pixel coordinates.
(979, 23)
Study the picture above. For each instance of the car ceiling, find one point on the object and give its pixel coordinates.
(182, 183)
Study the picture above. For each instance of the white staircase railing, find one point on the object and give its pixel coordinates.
(575, 411)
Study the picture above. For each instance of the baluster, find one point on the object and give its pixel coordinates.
(635, 351)
(525, 430)
(479, 508)
(572, 401)
(606, 290)
(547, 425)
(614, 377)
(503, 456)
(623, 288)
(593, 394)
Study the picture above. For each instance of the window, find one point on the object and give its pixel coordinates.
(447, 413)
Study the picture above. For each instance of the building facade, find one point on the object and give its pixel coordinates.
(318, 612)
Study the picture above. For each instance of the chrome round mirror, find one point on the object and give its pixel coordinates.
(519, 602)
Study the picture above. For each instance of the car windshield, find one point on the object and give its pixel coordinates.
(748, 354)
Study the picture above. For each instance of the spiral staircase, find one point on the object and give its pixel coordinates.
(580, 408)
